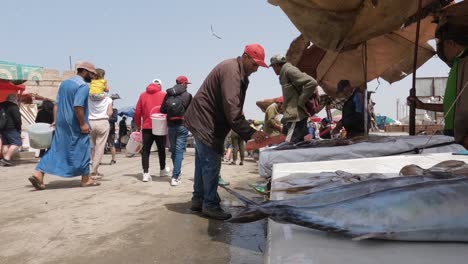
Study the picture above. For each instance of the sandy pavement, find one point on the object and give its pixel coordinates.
(124, 220)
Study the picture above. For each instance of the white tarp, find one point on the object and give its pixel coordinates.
(288, 243)
(393, 145)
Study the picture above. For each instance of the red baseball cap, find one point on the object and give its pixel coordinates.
(182, 79)
(257, 53)
(279, 99)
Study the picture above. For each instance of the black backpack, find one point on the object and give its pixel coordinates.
(113, 118)
(174, 107)
(3, 118)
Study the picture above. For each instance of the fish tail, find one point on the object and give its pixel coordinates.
(253, 211)
(239, 196)
(249, 214)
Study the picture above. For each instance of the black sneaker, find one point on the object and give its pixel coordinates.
(196, 205)
(216, 213)
(5, 163)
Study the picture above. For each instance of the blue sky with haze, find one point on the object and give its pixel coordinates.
(137, 41)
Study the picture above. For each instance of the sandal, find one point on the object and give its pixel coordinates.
(35, 182)
(113, 162)
(92, 184)
(97, 176)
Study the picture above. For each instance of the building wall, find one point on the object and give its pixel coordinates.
(48, 86)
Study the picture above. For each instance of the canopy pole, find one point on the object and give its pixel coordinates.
(366, 107)
(412, 112)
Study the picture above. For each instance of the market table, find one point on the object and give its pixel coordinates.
(287, 243)
(377, 146)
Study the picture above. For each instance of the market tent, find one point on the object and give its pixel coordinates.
(389, 56)
(128, 111)
(7, 87)
(337, 24)
(12, 75)
(19, 73)
(385, 120)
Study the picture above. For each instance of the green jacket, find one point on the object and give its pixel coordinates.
(460, 127)
(297, 88)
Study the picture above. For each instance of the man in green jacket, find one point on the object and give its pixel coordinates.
(452, 48)
(297, 88)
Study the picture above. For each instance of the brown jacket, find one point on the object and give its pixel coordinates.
(461, 108)
(217, 106)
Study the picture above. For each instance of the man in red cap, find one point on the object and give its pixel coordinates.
(175, 104)
(216, 108)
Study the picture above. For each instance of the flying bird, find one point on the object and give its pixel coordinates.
(214, 34)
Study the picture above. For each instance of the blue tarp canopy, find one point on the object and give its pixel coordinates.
(127, 111)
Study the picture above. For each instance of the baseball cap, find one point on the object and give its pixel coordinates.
(157, 81)
(257, 53)
(85, 65)
(182, 79)
(277, 59)
(279, 100)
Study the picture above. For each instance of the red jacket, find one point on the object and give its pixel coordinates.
(148, 103)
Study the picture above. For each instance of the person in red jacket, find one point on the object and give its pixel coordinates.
(150, 103)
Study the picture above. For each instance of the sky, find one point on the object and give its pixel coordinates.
(140, 40)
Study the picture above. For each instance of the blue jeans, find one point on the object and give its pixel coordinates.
(178, 137)
(207, 167)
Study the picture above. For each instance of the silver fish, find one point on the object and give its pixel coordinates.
(443, 169)
(303, 183)
(429, 211)
(254, 212)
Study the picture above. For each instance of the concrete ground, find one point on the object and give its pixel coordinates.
(124, 220)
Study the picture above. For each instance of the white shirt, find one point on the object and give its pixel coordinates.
(98, 109)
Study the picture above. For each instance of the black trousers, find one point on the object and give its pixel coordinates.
(296, 131)
(148, 139)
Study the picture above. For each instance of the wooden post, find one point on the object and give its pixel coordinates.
(412, 112)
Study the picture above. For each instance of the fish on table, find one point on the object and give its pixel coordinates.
(254, 212)
(431, 206)
(304, 183)
(428, 211)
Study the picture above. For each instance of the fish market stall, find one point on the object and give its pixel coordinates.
(288, 243)
(375, 146)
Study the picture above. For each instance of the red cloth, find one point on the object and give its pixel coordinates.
(149, 103)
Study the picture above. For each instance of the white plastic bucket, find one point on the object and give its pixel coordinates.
(40, 135)
(134, 144)
(159, 124)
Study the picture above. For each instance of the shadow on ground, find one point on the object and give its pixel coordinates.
(63, 184)
(139, 176)
(181, 208)
(249, 236)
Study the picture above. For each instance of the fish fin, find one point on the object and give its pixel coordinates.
(239, 196)
(341, 173)
(369, 236)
